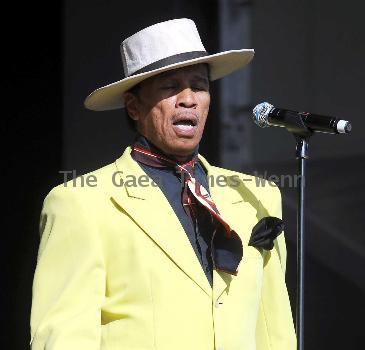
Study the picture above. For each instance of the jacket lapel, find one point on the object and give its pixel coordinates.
(150, 209)
(239, 207)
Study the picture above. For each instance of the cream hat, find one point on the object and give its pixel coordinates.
(161, 47)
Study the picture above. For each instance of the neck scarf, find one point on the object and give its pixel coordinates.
(226, 245)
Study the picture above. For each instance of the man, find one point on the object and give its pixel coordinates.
(158, 255)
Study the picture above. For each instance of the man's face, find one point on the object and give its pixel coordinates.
(171, 109)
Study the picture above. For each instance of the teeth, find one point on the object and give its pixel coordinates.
(185, 126)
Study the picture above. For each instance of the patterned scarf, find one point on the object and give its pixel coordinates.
(226, 245)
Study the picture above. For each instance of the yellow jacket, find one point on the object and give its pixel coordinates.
(117, 271)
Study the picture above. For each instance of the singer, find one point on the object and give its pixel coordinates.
(174, 265)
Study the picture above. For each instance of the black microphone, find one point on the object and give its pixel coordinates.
(265, 114)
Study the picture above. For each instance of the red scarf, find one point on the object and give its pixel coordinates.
(226, 245)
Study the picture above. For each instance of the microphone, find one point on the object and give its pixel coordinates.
(265, 114)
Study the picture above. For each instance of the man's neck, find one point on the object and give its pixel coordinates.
(147, 143)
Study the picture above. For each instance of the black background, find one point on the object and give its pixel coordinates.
(54, 56)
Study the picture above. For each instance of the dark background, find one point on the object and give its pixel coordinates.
(309, 56)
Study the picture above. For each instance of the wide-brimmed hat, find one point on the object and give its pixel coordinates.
(161, 47)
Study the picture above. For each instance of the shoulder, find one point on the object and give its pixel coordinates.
(83, 188)
(258, 185)
(250, 188)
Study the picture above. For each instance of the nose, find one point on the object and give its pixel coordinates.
(186, 98)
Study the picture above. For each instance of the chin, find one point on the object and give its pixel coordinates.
(184, 148)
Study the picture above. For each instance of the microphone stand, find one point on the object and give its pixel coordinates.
(301, 133)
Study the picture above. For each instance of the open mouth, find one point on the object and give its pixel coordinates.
(185, 125)
(187, 120)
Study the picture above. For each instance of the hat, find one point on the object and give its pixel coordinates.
(161, 47)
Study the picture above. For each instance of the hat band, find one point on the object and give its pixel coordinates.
(180, 57)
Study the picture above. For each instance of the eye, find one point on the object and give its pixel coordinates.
(199, 88)
(168, 87)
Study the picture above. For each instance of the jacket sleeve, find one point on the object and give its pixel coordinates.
(69, 281)
(275, 328)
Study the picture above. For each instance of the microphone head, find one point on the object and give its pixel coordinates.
(260, 114)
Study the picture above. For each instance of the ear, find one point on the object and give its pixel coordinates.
(131, 104)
